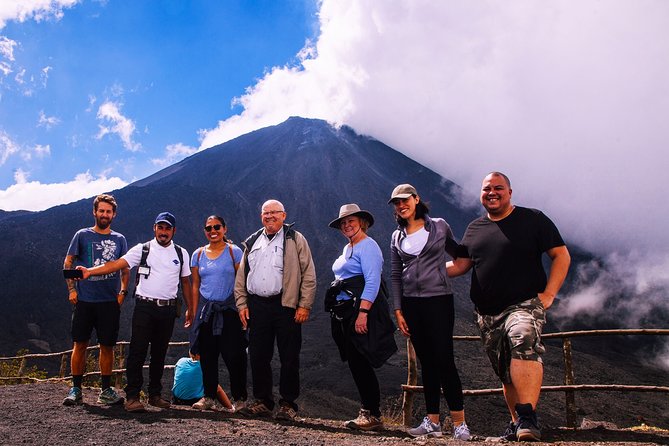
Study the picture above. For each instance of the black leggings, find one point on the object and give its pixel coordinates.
(430, 321)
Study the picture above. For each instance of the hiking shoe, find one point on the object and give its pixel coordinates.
(528, 426)
(73, 397)
(365, 422)
(426, 428)
(109, 396)
(286, 412)
(256, 409)
(461, 432)
(510, 432)
(134, 405)
(207, 403)
(238, 405)
(158, 401)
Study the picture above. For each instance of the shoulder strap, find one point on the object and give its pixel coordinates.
(180, 254)
(145, 253)
(232, 256)
(200, 250)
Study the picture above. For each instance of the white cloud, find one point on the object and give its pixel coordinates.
(42, 151)
(122, 126)
(7, 48)
(44, 75)
(47, 121)
(174, 153)
(36, 196)
(38, 10)
(567, 98)
(7, 147)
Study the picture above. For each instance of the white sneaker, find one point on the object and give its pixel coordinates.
(461, 432)
(426, 428)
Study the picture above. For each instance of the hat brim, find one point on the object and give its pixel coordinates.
(334, 224)
(402, 196)
(164, 221)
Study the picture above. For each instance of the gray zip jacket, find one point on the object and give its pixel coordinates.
(423, 275)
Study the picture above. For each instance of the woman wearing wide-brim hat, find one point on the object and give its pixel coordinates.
(424, 305)
(360, 318)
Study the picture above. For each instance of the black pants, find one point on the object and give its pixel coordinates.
(231, 346)
(362, 371)
(269, 320)
(153, 325)
(430, 321)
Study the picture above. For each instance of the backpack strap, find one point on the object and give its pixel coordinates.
(232, 257)
(145, 253)
(180, 254)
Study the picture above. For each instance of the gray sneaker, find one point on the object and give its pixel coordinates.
(109, 397)
(461, 432)
(73, 397)
(426, 428)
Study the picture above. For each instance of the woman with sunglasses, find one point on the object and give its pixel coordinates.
(217, 329)
(424, 305)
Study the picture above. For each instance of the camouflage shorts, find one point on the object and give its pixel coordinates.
(514, 333)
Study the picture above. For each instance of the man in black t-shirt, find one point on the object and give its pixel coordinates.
(511, 293)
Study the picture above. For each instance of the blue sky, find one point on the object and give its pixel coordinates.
(119, 89)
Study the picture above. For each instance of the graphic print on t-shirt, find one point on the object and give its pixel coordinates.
(101, 253)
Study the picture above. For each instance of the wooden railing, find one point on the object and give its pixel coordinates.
(117, 374)
(569, 388)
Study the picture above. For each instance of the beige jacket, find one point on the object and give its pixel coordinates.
(299, 273)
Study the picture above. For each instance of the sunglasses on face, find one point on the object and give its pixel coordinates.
(214, 227)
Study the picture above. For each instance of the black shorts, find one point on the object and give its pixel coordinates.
(103, 316)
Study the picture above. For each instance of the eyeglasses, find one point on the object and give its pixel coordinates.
(214, 227)
(270, 213)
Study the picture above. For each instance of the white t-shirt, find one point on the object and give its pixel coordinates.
(414, 243)
(163, 280)
(265, 276)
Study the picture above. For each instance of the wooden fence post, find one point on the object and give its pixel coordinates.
(118, 376)
(570, 402)
(63, 365)
(412, 379)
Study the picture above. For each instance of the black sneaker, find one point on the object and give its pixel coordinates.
(528, 426)
(510, 432)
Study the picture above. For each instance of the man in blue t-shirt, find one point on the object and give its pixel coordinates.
(97, 301)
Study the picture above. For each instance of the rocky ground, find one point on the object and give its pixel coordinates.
(33, 414)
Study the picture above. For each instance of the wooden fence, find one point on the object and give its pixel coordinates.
(569, 387)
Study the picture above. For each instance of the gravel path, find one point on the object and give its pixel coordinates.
(33, 414)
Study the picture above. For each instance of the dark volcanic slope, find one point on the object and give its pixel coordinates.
(309, 165)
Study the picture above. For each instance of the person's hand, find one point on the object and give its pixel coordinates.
(301, 315)
(73, 296)
(188, 319)
(244, 317)
(546, 299)
(120, 297)
(84, 271)
(361, 323)
(402, 323)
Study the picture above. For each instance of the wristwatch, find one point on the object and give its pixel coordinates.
(363, 310)
(124, 292)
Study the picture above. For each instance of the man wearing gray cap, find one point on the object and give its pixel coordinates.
(161, 268)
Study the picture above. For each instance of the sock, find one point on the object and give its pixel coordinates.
(77, 380)
(524, 409)
(458, 417)
(106, 381)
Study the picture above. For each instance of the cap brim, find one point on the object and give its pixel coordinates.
(399, 196)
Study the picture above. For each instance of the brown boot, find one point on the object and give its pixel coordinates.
(134, 405)
(157, 401)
